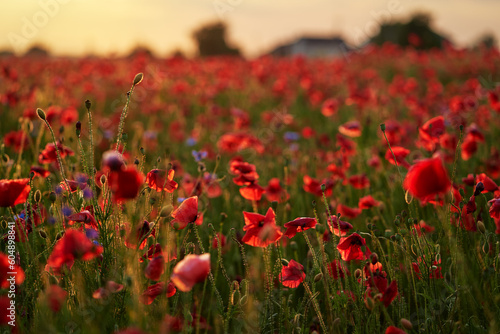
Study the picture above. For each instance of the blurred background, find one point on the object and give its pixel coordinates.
(250, 28)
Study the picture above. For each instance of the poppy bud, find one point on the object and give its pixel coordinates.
(313, 203)
(377, 297)
(318, 277)
(5, 158)
(357, 273)
(481, 227)
(382, 127)
(78, 128)
(41, 114)
(88, 104)
(406, 324)
(52, 197)
(373, 258)
(165, 211)
(296, 319)
(201, 167)
(293, 245)
(152, 201)
(223, 216)
(323, 187)
(42, 234)
(32, 175)
(128, 280)
(59, 235)
(479, 189)
(38, 196)
(461, 127)
(103, 179)
(4, 224)
(138, 78)
(284, 262)
(142, 150)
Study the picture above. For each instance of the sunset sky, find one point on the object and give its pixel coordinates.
(103, 27)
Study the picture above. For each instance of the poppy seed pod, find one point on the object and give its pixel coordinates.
(382, 127)
(88, 104)
(479, 188)
(78, 129)
(138, 78)
(41, 114)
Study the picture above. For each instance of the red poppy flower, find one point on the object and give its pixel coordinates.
(489, 184)
(298, 225)
(469, 180)
(252, 192)
(13, 192)
(427, 178)
(422, 228)
(313, 186)
(125, 183)
(156, 180)
(5, 268)
(186, 213)
(367, 202)
(348, 212)
(191, 270)
(39, 171)
(495, 208)
(138, 234)
(246, 179)
(338, 227)
(292, 275)
(220, 237)
(337, 270)
(49, 153)
(72, 246)
(153, 291)
(104, 292)
(390, 294)
(329, 107)
(431, 131)
(155, 250)
(350, 129)
(16, 139)
(261, 230)
(84, 217)
(359, 181)
(56, 296)
(400, 153)
(155, 268)
(275, 193)
(394, 330)
(351, 248)
(468, 148)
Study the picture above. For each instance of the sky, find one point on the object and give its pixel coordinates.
(115, 27)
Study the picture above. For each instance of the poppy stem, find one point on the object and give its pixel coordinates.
(316, 308)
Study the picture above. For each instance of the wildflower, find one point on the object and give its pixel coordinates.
(427, 178)
(298, 225)
(292, 275)
(191, 270)
(351, 248)
(13, 192)
(261, 230)
(186, 213)
(160, 180)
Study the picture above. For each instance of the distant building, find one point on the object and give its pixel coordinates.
(312, 47)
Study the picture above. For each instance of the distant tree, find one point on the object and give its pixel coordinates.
(37, 51)
(488, 41)
(211, 40)
(6, 53)
(416, 32)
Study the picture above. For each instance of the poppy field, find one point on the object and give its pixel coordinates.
(275, 195)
